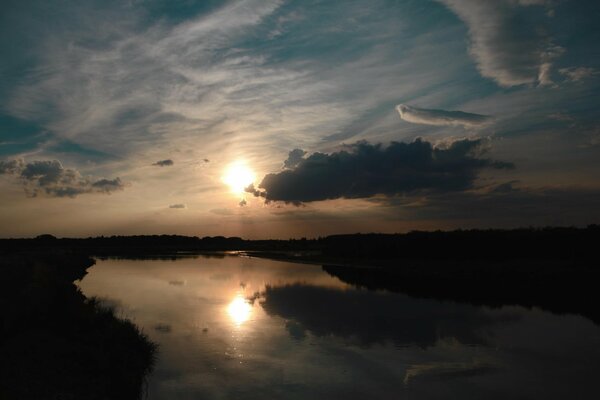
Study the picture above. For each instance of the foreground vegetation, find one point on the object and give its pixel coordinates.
(57, 344)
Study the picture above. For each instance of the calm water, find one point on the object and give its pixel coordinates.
(241, 328)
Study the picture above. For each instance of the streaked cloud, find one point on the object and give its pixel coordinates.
(441, 117)
(507, 45)
(578, 74)
(142, 85)
(178, 206)
(439, 370)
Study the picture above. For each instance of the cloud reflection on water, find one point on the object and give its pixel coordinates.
(377, 317)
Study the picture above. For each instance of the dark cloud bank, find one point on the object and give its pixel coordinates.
(364, 170)
(504, 205)
(51, 178)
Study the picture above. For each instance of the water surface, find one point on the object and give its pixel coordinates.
(233, 327)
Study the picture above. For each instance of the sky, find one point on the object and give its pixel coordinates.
(279, 119)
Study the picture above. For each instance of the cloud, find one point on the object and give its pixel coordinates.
(578, 74)
(440, 117)
(294, 157)
(51, 178)
(505, 205)
(140, 90)
(448, 370)
(179, 205)
(164, 163)
(370, 317)
(147, 78)
(11, 166)
(155, 82)
(506, 46)
(255, 191)
(365, 170)
(108, 185)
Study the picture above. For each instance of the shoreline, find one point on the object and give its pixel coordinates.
(524, 282)
(57, 343)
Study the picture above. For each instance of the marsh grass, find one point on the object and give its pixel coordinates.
(57, 344)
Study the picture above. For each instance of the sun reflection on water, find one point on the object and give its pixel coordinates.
(239, 310)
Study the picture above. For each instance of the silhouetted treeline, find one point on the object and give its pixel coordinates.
(556, 269)
(551, 243)
(57, 344)
(556, 287)
(151, 244)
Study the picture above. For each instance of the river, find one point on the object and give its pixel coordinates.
(233, 327)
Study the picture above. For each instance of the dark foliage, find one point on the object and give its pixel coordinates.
(150, 245)
(555, 269)
(557, 288)
(55, 343)
(493, 244)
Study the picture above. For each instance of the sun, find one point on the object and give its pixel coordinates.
(239, 310)
(238, 176)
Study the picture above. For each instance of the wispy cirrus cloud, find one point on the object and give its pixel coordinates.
(579, 74)
(138, 88)
(426, 116)
(203, 78)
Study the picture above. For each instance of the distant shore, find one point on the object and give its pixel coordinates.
(562, 286)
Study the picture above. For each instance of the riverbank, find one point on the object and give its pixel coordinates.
(58, 344)
(558, 285)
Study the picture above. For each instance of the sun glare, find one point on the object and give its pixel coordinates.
(238, 176)
(239, 310)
